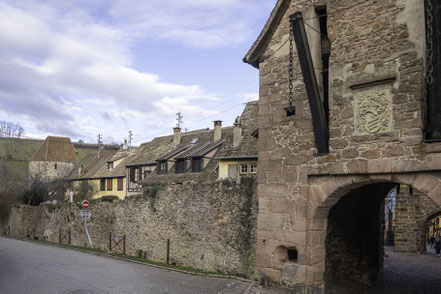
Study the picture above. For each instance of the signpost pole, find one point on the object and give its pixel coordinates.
(86, 213)
(86, 231)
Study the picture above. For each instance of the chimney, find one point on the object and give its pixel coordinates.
(176, 136)
(217, 130)
(237, 132)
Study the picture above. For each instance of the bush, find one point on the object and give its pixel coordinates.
(85, 191)
(152, 194)
(35, 195)
(7, 199)
(109, 198)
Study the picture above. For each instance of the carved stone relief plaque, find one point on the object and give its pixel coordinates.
(373, 112)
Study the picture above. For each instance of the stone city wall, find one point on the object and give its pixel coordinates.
(211, 226)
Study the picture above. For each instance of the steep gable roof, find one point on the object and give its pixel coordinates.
(90, 165)
(194, 142)
(247, 147)
(260, 45)
(150, 151)
(55, 149)
(189, 148)
(117, 170)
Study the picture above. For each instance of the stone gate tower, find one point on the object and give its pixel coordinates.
(363, 116)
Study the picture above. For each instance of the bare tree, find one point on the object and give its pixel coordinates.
(9, 129)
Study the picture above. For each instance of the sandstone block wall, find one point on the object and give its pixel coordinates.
(210, 226)
(411, 215)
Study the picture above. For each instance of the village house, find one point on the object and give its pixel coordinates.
(143, 162)
(192, 158)
(106, 172)
(238, 158)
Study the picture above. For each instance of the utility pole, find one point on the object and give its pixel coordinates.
(130, 140)
(179, 120)
(100, 137)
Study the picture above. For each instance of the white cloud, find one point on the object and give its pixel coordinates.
(66, 66)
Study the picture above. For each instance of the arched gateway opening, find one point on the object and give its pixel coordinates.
(355, 237)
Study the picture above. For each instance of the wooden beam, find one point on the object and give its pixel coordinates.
(318, 114)
(434, 89)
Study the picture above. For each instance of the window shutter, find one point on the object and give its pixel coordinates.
(202, 164)
(132, 174)
(109, 185)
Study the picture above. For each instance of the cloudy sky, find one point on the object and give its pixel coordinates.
(87, 67)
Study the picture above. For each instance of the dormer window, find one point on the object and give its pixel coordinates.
(180, 166)
(162, 167)
(110, 165)
(197, 164)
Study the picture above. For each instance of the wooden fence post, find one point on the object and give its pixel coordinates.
(168, 251)
(124, 245)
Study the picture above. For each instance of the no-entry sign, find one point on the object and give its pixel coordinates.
(85, 204)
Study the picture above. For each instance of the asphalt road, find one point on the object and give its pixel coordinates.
(27, 267)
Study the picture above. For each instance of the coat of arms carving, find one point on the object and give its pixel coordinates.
(373, 115)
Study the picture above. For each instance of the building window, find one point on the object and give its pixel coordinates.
(162, 167)
(248, 168)
(110, 165)
(253, 168)
(55, 165)
(120, 184)
(146, 173)
(102, 185)
(243, 168)
(109, 184)
(180, 166)
(196, 164)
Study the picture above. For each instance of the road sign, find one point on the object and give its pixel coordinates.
(85, 213)
(85, 204)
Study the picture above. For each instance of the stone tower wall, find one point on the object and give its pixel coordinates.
(376, 66)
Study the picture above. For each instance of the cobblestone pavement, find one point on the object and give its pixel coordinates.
(403, 274)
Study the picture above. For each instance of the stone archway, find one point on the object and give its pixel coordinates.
(325, 192)
(423, 227)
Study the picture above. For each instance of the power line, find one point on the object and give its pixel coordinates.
(225, 110)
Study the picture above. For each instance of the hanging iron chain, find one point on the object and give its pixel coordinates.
(291, 71)
(429, 30)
